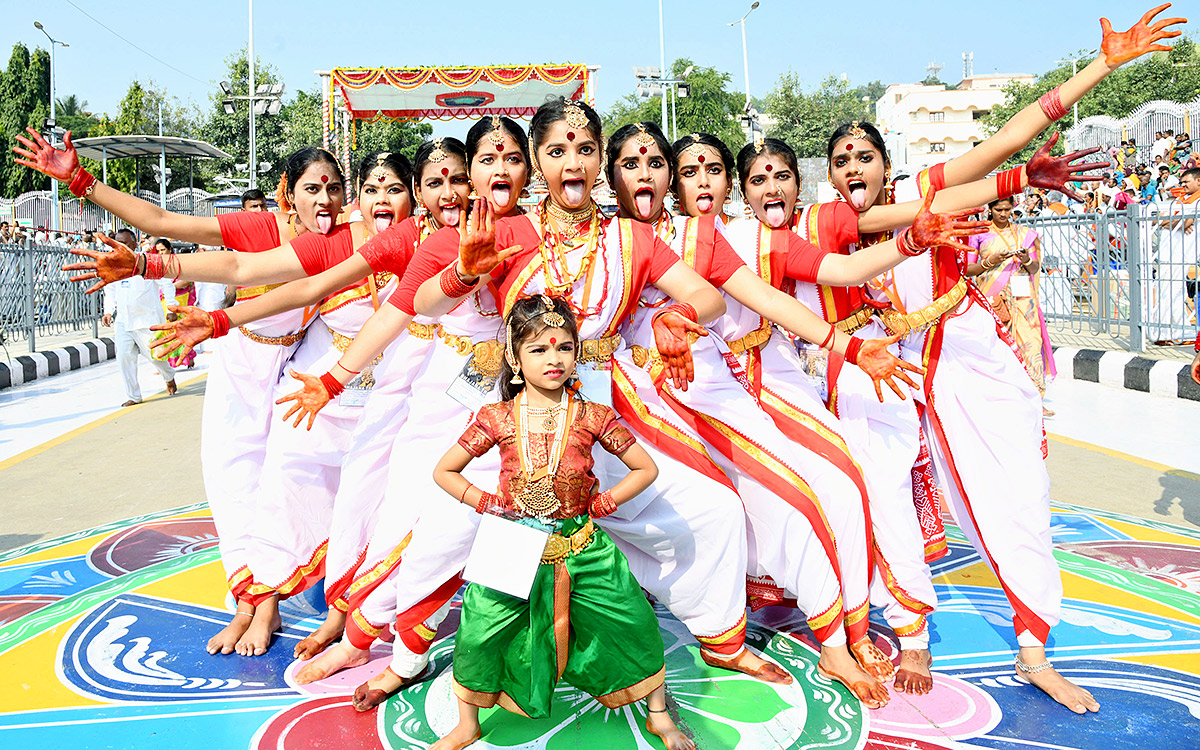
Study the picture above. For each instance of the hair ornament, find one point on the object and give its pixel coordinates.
(758, 147)
(643, 137)
(695, 148)
(380, 171)
(575, 116)
(496, 136)
(438, 153)
(550, 317)
(855, 131)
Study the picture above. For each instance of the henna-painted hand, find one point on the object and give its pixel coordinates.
(882, 366)
(477, 254)
(119, 263)
(1119, 47)
(1054, 172)
(310, 399)
(40, 155)
(671, 332)
(931, 230)
(192, 326)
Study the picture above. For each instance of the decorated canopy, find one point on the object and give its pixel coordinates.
(454, 93)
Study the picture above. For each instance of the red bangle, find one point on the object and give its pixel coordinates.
(349, 372)
(487, 501)
(602, 505)
(904, 244)
(454, 287)
(828, 337)
(852, 350)
(155, 268)
(82, 184)
(681, 308)
(1008, 183)
(332, 386)
(220, 323)
(1052, 106)
(463, 497)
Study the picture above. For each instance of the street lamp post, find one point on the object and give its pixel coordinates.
(662, 62)
(746, 63)
(1074, 71)
(53, 117)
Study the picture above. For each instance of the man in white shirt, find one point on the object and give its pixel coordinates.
(135, 303)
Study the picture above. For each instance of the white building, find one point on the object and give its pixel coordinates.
(924, 125)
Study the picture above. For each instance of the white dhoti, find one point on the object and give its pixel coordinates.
(129, 343)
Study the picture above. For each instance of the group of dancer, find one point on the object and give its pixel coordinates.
(447, 320)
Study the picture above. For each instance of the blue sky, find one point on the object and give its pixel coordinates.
(867, 39)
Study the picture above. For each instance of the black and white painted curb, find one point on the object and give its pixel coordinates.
(1157, 377)
(28, 367)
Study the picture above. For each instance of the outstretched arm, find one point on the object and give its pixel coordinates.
(1117, 48)
(64, 166)
(697, 303)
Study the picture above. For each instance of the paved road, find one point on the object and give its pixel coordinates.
(71, 460)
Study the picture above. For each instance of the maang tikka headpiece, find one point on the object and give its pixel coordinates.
(856, 132)
(696, 148)
(643, 137)
(575, 116)
(438, 153)
(496, 136)
(550, 317)
(380, 171)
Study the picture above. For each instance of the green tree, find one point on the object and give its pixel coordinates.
(231, 133)
(72, 115)
(710, 106)
(1174, 76)
(138, 114)
(24, 101)
(805, 120)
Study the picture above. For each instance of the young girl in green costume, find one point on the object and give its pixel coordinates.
(586, 620)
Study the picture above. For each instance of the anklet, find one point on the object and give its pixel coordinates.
(247, 614)
(658, 710)
(1031, 670)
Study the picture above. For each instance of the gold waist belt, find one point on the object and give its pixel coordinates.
(856, 321)
(752, 340)
(559, 547)
(486, 354)
(922, 319)
(288, 340)
(250, 292)
(425, 331)
(598, 350)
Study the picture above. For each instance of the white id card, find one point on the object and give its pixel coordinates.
(505, 556)
(473, 388)
(595, 380)
(1020, 286)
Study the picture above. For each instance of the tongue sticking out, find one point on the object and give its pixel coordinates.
(501, 195)
(645, 203)
(324, 223)
(450, 215)
(382, 222)
(858, 197)
(573, 191)
(775, 215)
(704, 203)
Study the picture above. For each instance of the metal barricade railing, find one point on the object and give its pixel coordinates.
(36, 297)
(1129, 276)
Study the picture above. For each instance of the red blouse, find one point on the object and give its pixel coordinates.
(249, 231)
(574, 483)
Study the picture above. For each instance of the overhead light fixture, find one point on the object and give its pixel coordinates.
(683, 91)
(274, 107)
(639, 72)
(226, 88)
(228, 107)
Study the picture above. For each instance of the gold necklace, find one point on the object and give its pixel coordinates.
(550, 421)
(553, 255)
(571, 219)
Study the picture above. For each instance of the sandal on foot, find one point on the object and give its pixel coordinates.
(367, 698)
(853, 687)
(871, 659)
(768, 672)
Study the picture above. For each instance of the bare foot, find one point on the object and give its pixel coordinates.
(381, 687)
(749, 663)
(460, 736)
(341, 656)
(1049, 681)
(871, 659)
(225, 641)
(836, 663)
(257, 638)
(661, 725)
(330, 631)
(913, 676)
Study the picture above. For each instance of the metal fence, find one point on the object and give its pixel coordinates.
(74, 215)
(36, 299)
(1129, 276)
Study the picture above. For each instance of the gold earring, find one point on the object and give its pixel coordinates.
(516, 378)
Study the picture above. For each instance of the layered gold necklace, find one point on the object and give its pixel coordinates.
(533, 490)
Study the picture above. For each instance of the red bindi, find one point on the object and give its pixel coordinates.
(701, 158)
(642, 150)
(849, 146)
(553, 340)
(445, 171)
(769, 167)
(500, 147)
(324, 178)
(381, 179)
(570, 135)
